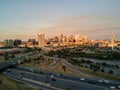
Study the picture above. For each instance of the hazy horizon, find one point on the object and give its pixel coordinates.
(24, 19)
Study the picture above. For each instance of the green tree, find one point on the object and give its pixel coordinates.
(110, 72)
(102, 70)
(6, 56)
(64, 68)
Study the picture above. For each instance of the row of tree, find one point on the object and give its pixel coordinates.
(64, 53)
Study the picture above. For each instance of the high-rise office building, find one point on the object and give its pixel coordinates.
(32, 41)
(8, 43)
(84, 39)
(64, 39)
(77, 37)
(61, 37)
(11, 43)
(17, 42)
(41, 40)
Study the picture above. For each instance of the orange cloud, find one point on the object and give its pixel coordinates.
(86, 24)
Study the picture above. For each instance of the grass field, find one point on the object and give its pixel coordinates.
(56, 68)
(42, 63)
(9, 84)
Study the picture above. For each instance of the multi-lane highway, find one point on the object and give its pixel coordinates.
(55, 81)
(7, 64)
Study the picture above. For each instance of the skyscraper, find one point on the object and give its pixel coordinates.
(41, 40)
(11, 43)
(17, 42)
(32, 41)
(61, 37)
(8, 43)
(77, 37)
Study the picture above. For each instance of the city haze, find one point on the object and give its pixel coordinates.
(24, 19)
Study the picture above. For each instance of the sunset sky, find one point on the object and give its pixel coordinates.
(24, 19)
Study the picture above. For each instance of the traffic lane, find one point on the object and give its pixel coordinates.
(68, 85)
(73, 78)
(78, 79)
(58, 75)
(59, 82)
(17, 76)
(29, 84)
(37, 86)
(81, 79)
(5, 65)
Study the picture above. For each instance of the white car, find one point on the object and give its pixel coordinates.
(100, 81)
(8, 70)
(4, 72)
(82, 79)
(112, 87)
(52, 76)
(106, 81)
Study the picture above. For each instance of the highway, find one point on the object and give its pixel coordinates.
(17, 60)
(73, 78)
(55, 80)
(6, 64)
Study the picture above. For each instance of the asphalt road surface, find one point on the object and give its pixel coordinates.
(54, 81)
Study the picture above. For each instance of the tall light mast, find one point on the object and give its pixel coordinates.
(112, 41)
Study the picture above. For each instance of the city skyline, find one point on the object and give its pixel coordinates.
(25, 19)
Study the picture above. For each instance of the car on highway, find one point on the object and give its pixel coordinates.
(100, 80)
(82, 79)
(8, 70)
(51, 76)
(4, 72)
(112, 87)
(59, 75)
(106, 81)
(118, 87)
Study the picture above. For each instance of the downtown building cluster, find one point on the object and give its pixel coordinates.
(41, 41)
(61, 40)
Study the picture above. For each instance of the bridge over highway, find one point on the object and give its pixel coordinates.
(8, 63)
